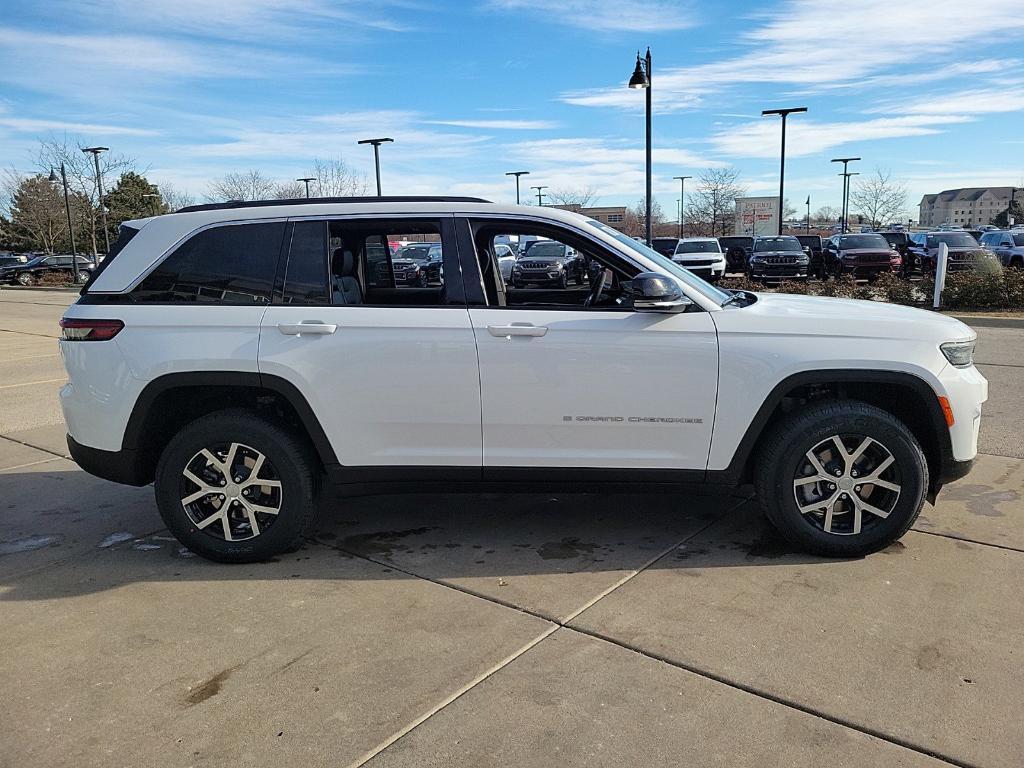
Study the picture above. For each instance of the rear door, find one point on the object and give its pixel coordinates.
(390, 370)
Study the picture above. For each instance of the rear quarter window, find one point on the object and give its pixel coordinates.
(226, 264)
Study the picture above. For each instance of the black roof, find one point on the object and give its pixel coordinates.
(320, 200)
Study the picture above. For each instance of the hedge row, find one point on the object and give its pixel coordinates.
(964, 290)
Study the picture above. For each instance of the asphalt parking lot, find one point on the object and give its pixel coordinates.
(597, 630)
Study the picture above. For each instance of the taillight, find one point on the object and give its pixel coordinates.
(80, 329)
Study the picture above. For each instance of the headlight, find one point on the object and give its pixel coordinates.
(959, 353)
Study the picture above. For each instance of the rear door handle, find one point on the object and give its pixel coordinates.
(310, 327)
(516, 329)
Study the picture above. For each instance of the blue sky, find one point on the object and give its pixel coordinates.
(931, 89)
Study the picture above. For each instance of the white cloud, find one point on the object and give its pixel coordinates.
(608, 15)
(31, 125)
(862, 39)
(808, 137)
(971, 102)
(498, 125)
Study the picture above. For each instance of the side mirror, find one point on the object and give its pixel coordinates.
(654, 292)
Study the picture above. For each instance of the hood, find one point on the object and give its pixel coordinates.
(825, 316)
(544, 259)
(698, 255)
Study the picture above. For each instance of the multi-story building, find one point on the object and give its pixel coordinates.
(612, 215)
(967, 207)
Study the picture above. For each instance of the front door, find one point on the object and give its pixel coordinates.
(387, 363)
(572, 378)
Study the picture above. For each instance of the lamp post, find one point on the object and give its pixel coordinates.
(517, 174)
(641, 78)
(846, 198)
(682, 200)
(376, 155)
(784, 113)
(846, 188)
(808, 214)
(152, 197)
(95, 152)
(540, 195)
(71, 227)
(308, 179)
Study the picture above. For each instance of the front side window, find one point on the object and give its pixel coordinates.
(226, 264)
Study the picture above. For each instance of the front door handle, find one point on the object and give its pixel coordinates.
(310, 327)
(516, 329)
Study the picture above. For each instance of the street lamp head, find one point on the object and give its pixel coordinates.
(307, 178)
(96, 150)
(518, 173)
(375, 142)
(639, 78)
(783, 112)
(844, 159)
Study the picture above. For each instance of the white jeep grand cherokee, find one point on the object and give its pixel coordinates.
(240, 355)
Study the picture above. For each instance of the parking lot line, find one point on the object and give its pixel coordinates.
(31, 383)
(556, 624)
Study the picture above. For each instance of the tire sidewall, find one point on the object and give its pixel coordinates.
(782, 507)
(297, 489)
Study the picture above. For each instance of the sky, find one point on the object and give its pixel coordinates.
(931, 90)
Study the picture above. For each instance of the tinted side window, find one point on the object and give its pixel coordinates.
(228, 264)
(305, 280)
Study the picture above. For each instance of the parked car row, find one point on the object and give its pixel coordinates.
(31, 272)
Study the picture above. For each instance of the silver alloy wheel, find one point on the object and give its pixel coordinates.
(232, 484)
(842, 478)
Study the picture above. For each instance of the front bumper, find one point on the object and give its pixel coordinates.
(537, 278)
(778, 271)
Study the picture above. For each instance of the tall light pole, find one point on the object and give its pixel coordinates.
(784, 113)
(808, 214)
(376, 155)
(308, 179)
(846, 189)
(682, 199)
(152, 197)
(846, 184)
(517, 174)
(540, 195)
(67, 210)
(641, 78)
(95, 152)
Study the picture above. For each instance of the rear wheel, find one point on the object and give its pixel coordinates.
(236, 488)
(842, 479)
(26, 278)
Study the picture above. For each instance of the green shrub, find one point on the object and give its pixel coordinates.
(896, 290)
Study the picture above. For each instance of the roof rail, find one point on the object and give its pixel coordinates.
(326, 200)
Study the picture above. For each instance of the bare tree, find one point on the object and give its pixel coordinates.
(37, 211)
(250, 185)
(879, 198)
(635, 222)
(335, 178)
(826, 215)
(574, 199)
(712, 208)
(81, 173)
(175, 198)
(289, 190)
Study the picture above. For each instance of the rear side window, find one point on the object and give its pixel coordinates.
(228, 264)
(305, 280)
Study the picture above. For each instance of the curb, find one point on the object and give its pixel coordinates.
(62, 288)
(990, 321)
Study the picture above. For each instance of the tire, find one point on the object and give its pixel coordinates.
(83, 277)
(782, 462)
(204, 529)
(25, 278)
(563, 281)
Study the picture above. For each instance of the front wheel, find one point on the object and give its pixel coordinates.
(236, 488)
(841, 479)
(26, 278)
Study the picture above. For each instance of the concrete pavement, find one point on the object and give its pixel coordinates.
(527, 629)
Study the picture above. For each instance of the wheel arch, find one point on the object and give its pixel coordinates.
(908, 397)
(170, 401)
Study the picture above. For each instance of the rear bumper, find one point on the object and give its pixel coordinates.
(117, 466)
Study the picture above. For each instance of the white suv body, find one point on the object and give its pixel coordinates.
(701, 255)
(645, 374)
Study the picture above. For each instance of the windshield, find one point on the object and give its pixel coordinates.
(666, 264)
(548, 249)
(953, 240)
(863, 241)
(698, 246)
(414, 252)
(777, 244)
(895, 238)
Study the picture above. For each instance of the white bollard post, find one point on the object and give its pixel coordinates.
(940, 274)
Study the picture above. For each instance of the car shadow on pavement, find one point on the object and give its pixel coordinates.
(109, 536)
